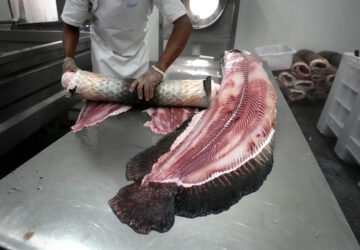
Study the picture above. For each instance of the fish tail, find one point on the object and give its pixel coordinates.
(222, 192)
(154, 210)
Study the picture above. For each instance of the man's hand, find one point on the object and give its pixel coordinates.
(69, 65)
(146, 83)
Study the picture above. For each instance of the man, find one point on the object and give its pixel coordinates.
(119, 38)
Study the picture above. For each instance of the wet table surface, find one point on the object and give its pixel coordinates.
(58, 199)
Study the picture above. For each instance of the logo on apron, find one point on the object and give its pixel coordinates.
(131, 5)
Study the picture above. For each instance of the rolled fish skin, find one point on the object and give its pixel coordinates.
(66, 79)
(177, 93)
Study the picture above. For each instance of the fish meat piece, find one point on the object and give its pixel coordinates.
(175, 93)
(304, 85)
(295, 94)
(299, 67)
(334, 58)
(166, 119)
(286, 79)
(317, 63)
(93, 112)
(213, 159)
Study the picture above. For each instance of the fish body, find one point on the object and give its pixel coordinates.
(213, 159)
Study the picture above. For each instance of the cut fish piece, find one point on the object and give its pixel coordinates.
(166, 119)
(93, 112)
(213, 159)
(286, 79)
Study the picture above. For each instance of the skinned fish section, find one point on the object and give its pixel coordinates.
(212, 160)
(237, 125)
(176, 93)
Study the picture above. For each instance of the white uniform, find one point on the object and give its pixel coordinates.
(119, 31)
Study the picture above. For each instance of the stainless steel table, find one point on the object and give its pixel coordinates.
(58, 199)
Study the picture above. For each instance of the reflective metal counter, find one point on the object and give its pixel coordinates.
(58, 199)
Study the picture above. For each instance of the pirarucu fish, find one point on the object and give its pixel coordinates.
(107, 96)
(212, 160)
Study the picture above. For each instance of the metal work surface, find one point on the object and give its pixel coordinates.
(27, 48)
(9, 46)
(58, 199)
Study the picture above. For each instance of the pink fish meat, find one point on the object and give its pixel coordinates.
(93, 112)
(213, 159)
(167, 119)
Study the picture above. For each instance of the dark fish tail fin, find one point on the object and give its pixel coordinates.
(141, 164)
(221, 193)
(207, 86)
(146, 207)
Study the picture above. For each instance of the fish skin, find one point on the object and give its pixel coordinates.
(176, 93)
(93, 112)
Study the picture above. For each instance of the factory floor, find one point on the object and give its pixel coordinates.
(343, 178)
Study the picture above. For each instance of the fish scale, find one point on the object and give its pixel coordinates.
(179, 93)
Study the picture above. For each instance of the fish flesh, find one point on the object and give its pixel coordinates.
(304, 85)
(209, 162)
(296, 94)
(163, 119)
(299, 67)
(166, 119)
(318, 65)
(106, 96)
(286, 79)
(333, 57)
(93, 112)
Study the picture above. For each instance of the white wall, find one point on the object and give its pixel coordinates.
(312, 24)
(153, 36)
(5, 14)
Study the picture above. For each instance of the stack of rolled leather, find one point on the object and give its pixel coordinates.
(311, 75)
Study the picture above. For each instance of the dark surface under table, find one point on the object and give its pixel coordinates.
(34, 144)
(343, 178)
(7, 46)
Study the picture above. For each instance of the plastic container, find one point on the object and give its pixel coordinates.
(340, 116)
(278, 56)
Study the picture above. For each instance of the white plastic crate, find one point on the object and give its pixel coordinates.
(341, 114)
(278, 56)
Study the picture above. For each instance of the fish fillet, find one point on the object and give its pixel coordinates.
(213, 159)
(166, 119)
(93, 112)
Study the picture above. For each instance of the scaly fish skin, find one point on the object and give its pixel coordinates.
(178, 93)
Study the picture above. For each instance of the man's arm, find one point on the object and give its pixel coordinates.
(177, 41)
(70, 41)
